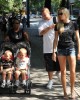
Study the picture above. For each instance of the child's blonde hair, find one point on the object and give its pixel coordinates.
(23, 50)
(8, 52)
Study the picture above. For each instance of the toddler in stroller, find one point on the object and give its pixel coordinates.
(17, 68)
(7, 67)
(21, 66)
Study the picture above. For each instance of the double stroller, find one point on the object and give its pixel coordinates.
(14, 48)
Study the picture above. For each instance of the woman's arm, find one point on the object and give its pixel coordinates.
(78, 43)
(55, 46)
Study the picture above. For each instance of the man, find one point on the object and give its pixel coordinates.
(46, 29)
(11, 19)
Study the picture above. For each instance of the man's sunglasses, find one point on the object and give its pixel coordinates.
(60, 13)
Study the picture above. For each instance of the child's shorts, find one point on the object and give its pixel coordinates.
(7, 70)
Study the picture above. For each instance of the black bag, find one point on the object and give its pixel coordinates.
(54, 20)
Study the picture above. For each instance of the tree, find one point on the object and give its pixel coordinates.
(55, 5)
(77, 4)
(65, 3)
(10, 5)
(48, 4)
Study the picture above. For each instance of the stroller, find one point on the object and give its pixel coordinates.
(15, 49)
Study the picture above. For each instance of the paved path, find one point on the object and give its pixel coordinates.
(39, 76)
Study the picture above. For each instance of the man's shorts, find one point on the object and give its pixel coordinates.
(50, 64)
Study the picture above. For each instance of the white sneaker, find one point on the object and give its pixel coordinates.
(8, 84)
(3, 85)
(17, 83)
(24, 83)
(49, 85)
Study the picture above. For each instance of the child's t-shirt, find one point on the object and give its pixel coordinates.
(5, 63)
(22, 63)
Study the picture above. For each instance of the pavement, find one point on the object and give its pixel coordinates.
(39, 76)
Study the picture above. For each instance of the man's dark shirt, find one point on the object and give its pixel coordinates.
(16, 37)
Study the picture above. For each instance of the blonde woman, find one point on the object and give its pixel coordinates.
(65, 29)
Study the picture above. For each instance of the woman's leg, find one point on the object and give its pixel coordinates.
(62, 62)
(72, 66)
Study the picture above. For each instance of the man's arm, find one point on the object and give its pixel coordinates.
(26, 36)
(44, 31)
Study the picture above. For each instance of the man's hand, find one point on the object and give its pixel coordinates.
(52, 26)
(54, 56)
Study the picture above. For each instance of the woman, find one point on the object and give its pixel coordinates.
(65, 29)
(16, 34)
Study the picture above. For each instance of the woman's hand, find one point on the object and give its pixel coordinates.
(54, 56)
(78, 56)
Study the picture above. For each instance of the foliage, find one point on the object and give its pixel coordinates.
(77, 4)
(55, 4)
(37, 5)
(10, 5)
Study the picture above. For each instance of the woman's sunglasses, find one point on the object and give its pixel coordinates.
(60, 13)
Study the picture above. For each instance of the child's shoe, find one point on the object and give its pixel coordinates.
(17, 83)
(8, 84)
(24, 82)
(3, 85)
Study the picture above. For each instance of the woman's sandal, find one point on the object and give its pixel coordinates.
(73, 97)
(66, 97)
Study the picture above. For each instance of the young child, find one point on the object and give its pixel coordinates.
(6, 67)
(21, 66)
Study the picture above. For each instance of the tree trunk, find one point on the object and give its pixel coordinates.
(65, 3)
(48, 4)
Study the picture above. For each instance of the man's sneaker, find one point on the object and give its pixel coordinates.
(3, 85)
(16, 83)
(49, 85)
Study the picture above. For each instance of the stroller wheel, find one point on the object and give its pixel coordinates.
(28, 88)
(12, 90)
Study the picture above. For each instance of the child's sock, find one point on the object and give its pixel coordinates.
(17, 82)
(24, 82)
(8, 81)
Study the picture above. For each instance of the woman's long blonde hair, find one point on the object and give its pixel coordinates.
(65, 11)
(60, 25)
